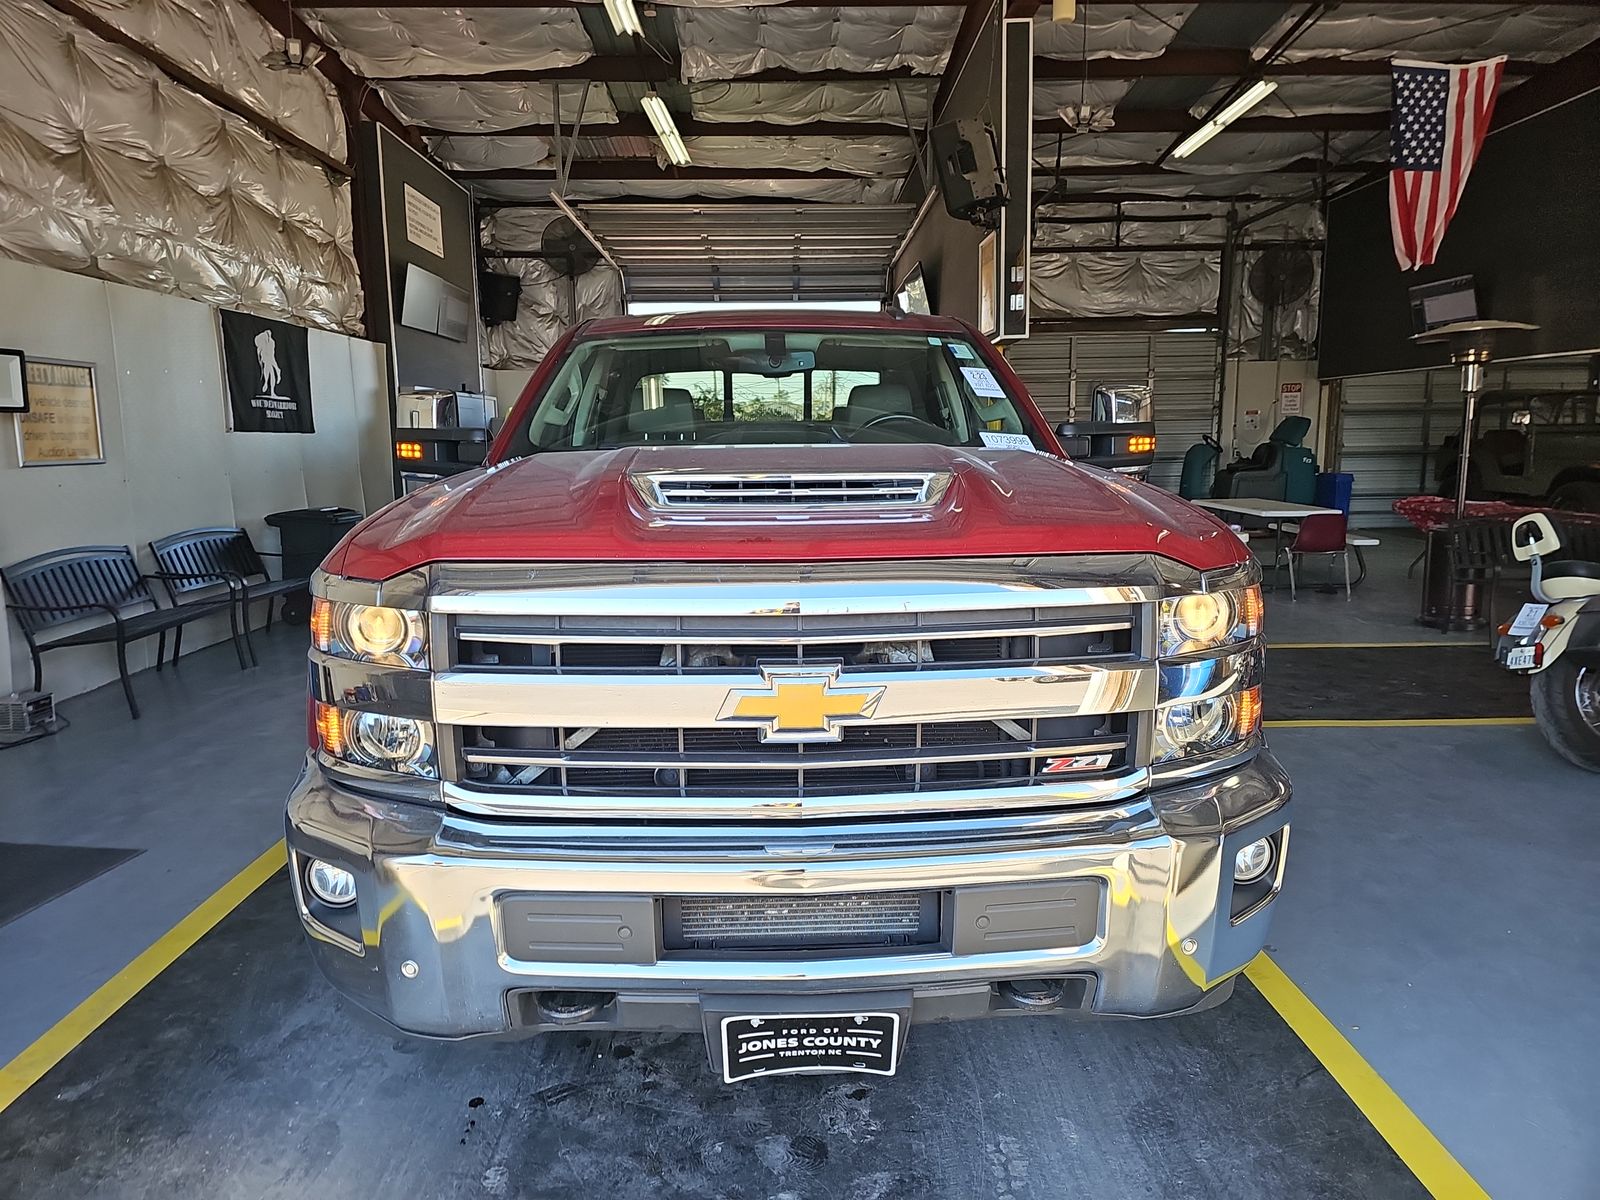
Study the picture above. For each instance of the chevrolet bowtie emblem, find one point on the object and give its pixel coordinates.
(800, 704)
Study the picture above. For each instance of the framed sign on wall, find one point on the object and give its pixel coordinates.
(988, 287)
(62, 425)
(13, 381)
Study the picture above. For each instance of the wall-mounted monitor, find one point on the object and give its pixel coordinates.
(1443, 302)
(435, 306)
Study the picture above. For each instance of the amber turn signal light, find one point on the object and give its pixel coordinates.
(411, 451)
(330, 729)
(1249, 711)
(1141, 443)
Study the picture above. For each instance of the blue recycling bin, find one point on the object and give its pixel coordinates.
(1334, 489)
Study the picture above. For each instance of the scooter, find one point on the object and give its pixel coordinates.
(1556, 641)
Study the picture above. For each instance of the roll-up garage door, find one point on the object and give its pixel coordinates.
(1062, 370)
(1391, 426)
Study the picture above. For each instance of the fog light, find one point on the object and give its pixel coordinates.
(334, 886)
(1252, 862)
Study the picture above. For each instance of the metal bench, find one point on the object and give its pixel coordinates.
(198, 560)
(81, 582)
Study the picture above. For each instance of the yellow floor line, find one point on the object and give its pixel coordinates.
(1399, 723)
(1433, 1165)
(1376, 645)
(27, 1068)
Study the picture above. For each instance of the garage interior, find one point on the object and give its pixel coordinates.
(1421, 1021)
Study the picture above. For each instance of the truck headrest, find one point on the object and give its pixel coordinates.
(675, 415)
(869, 400)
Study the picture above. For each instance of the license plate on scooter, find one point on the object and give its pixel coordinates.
(1521, 658)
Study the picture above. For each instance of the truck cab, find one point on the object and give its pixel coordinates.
(780, 679)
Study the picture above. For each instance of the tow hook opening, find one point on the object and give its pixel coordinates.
(1034, 993)
(571, 1008)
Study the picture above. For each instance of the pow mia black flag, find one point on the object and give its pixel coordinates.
(268, 364)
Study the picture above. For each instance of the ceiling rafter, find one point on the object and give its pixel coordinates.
(1206, 62)
(626, 68)
(637, 125)
(433, 4)
(1179, 121)
(622, 169)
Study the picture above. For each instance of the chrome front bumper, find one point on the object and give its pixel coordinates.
(425, 950)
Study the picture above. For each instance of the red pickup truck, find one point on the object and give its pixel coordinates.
(779, 678)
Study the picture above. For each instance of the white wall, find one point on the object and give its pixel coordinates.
(1250, 410)
(506, 387)
(170, 462)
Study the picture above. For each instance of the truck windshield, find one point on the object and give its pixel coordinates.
(764, 387)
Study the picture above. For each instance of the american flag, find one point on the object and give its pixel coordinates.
(1439, 116)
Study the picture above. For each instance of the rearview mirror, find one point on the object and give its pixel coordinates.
(756, 362)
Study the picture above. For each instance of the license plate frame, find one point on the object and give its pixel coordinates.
(1522, 658)
(747, 1052)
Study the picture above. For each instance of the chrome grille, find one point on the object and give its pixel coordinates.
(868, 759)
(684, 644)
(693, 490)
(765, 922)
(671, 693)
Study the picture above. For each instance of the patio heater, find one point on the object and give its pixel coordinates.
(1445, 604)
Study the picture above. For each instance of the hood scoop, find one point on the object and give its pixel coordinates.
(780, 491)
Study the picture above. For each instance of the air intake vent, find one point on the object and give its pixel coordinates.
(792, 491)
(800, 922)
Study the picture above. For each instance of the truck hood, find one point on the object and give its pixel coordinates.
(584, 505)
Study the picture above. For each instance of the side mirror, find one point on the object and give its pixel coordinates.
(1533, 536)
(1076, 445)
(1125, 446)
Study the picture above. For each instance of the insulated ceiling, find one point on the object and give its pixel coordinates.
(708, 62)
(380, 42)
(723, 43)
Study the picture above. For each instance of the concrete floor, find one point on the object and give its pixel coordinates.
(1440, 912)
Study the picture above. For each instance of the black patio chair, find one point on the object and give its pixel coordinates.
(81, 582)
(1480, 552)
(198, 560)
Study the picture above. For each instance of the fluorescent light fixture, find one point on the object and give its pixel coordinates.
(1254, 95)
(661, 117)
(624, 18)
(656, 308)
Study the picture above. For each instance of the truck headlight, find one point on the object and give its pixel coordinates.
(1207, 704)
(1192, 727)
(370, 739)
(1200, 621)
(396, 637)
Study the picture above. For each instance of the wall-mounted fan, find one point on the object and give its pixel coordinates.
(566, 247)
(1280, 277)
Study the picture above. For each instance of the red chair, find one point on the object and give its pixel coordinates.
(1319, 533)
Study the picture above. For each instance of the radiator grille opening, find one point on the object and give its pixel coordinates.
(875, 920)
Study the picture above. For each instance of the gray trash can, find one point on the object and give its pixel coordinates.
(308, 535)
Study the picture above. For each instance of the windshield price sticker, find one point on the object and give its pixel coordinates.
(1006, 441)
(982, 382)
(1528, 620)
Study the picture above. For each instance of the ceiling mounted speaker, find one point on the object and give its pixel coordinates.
(970, 179)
